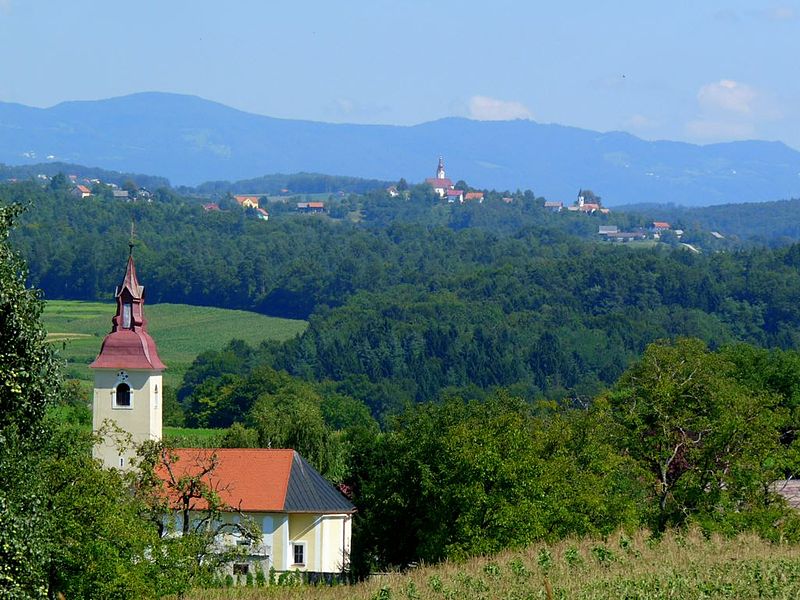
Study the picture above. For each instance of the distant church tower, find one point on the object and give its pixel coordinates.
(127, 378)
(440, 169)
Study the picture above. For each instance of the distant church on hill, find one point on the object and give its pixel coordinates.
(440, 184)
(306, 523)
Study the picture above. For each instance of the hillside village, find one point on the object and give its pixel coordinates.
(258, 206)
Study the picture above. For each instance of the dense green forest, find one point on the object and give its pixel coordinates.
(50, 169)
(296, 183)
(774, 223)
(415, 296)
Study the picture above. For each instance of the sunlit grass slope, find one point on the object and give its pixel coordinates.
(181, 332)
(678, 566)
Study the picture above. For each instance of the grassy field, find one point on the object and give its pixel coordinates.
(182, 332)
(678, 566)
(185, 437)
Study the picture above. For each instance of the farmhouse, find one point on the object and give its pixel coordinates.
(246, 201)
(81, 191)
(474, 197)
(305, 522)
(311, 207)
(554, 206)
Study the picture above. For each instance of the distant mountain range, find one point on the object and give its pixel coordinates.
(191, 140)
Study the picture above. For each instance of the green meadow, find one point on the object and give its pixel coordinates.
(76, 329)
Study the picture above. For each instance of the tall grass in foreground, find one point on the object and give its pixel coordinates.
(677, 566)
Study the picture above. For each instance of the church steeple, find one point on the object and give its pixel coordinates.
(129, 345)
(440, 169)
(127, 379)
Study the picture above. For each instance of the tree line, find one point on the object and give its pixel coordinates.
(491, 295)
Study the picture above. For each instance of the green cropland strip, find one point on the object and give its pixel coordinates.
(181, 332)
(677, 566)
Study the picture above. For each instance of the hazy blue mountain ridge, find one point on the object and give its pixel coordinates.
(190, 140)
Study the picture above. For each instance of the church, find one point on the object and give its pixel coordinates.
(305, 522)
(441, 184)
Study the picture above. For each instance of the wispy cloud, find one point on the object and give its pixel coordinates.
(731, 109)
(483, 108)
(727, 95)
(350, 109)
(780, 13)
(711, 130)
(640, 123)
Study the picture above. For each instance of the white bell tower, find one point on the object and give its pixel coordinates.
(127, 403)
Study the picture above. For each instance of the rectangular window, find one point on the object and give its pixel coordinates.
(300, 554)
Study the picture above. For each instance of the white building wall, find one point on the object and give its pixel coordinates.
(141, 420)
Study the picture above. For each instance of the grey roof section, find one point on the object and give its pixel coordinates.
(308, 491)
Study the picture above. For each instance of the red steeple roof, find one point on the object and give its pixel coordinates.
(129, 346)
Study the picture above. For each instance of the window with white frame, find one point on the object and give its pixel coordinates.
(122, 395)
(299, 553)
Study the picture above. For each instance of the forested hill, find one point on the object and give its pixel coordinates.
(33, 171)
(297, 183)
(191, 140)
(402, 310)
(771, 223)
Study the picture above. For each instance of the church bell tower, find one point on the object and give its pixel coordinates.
(127, 404)
(440, 169)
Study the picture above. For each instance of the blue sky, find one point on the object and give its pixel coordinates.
(702, 71)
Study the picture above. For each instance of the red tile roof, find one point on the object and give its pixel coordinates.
(241, 199)
(660, 225)
(258, 480)
(473, 196)
(248, 479)
(439, 183)
(316, 205)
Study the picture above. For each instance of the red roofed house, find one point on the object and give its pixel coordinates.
(247, 201)
(658, 226)
(81, 191)
(440, 183)
(473, 196)
(455, 195)
(311, 207)
(305, 522)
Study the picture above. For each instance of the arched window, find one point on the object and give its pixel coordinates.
(123, 395)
